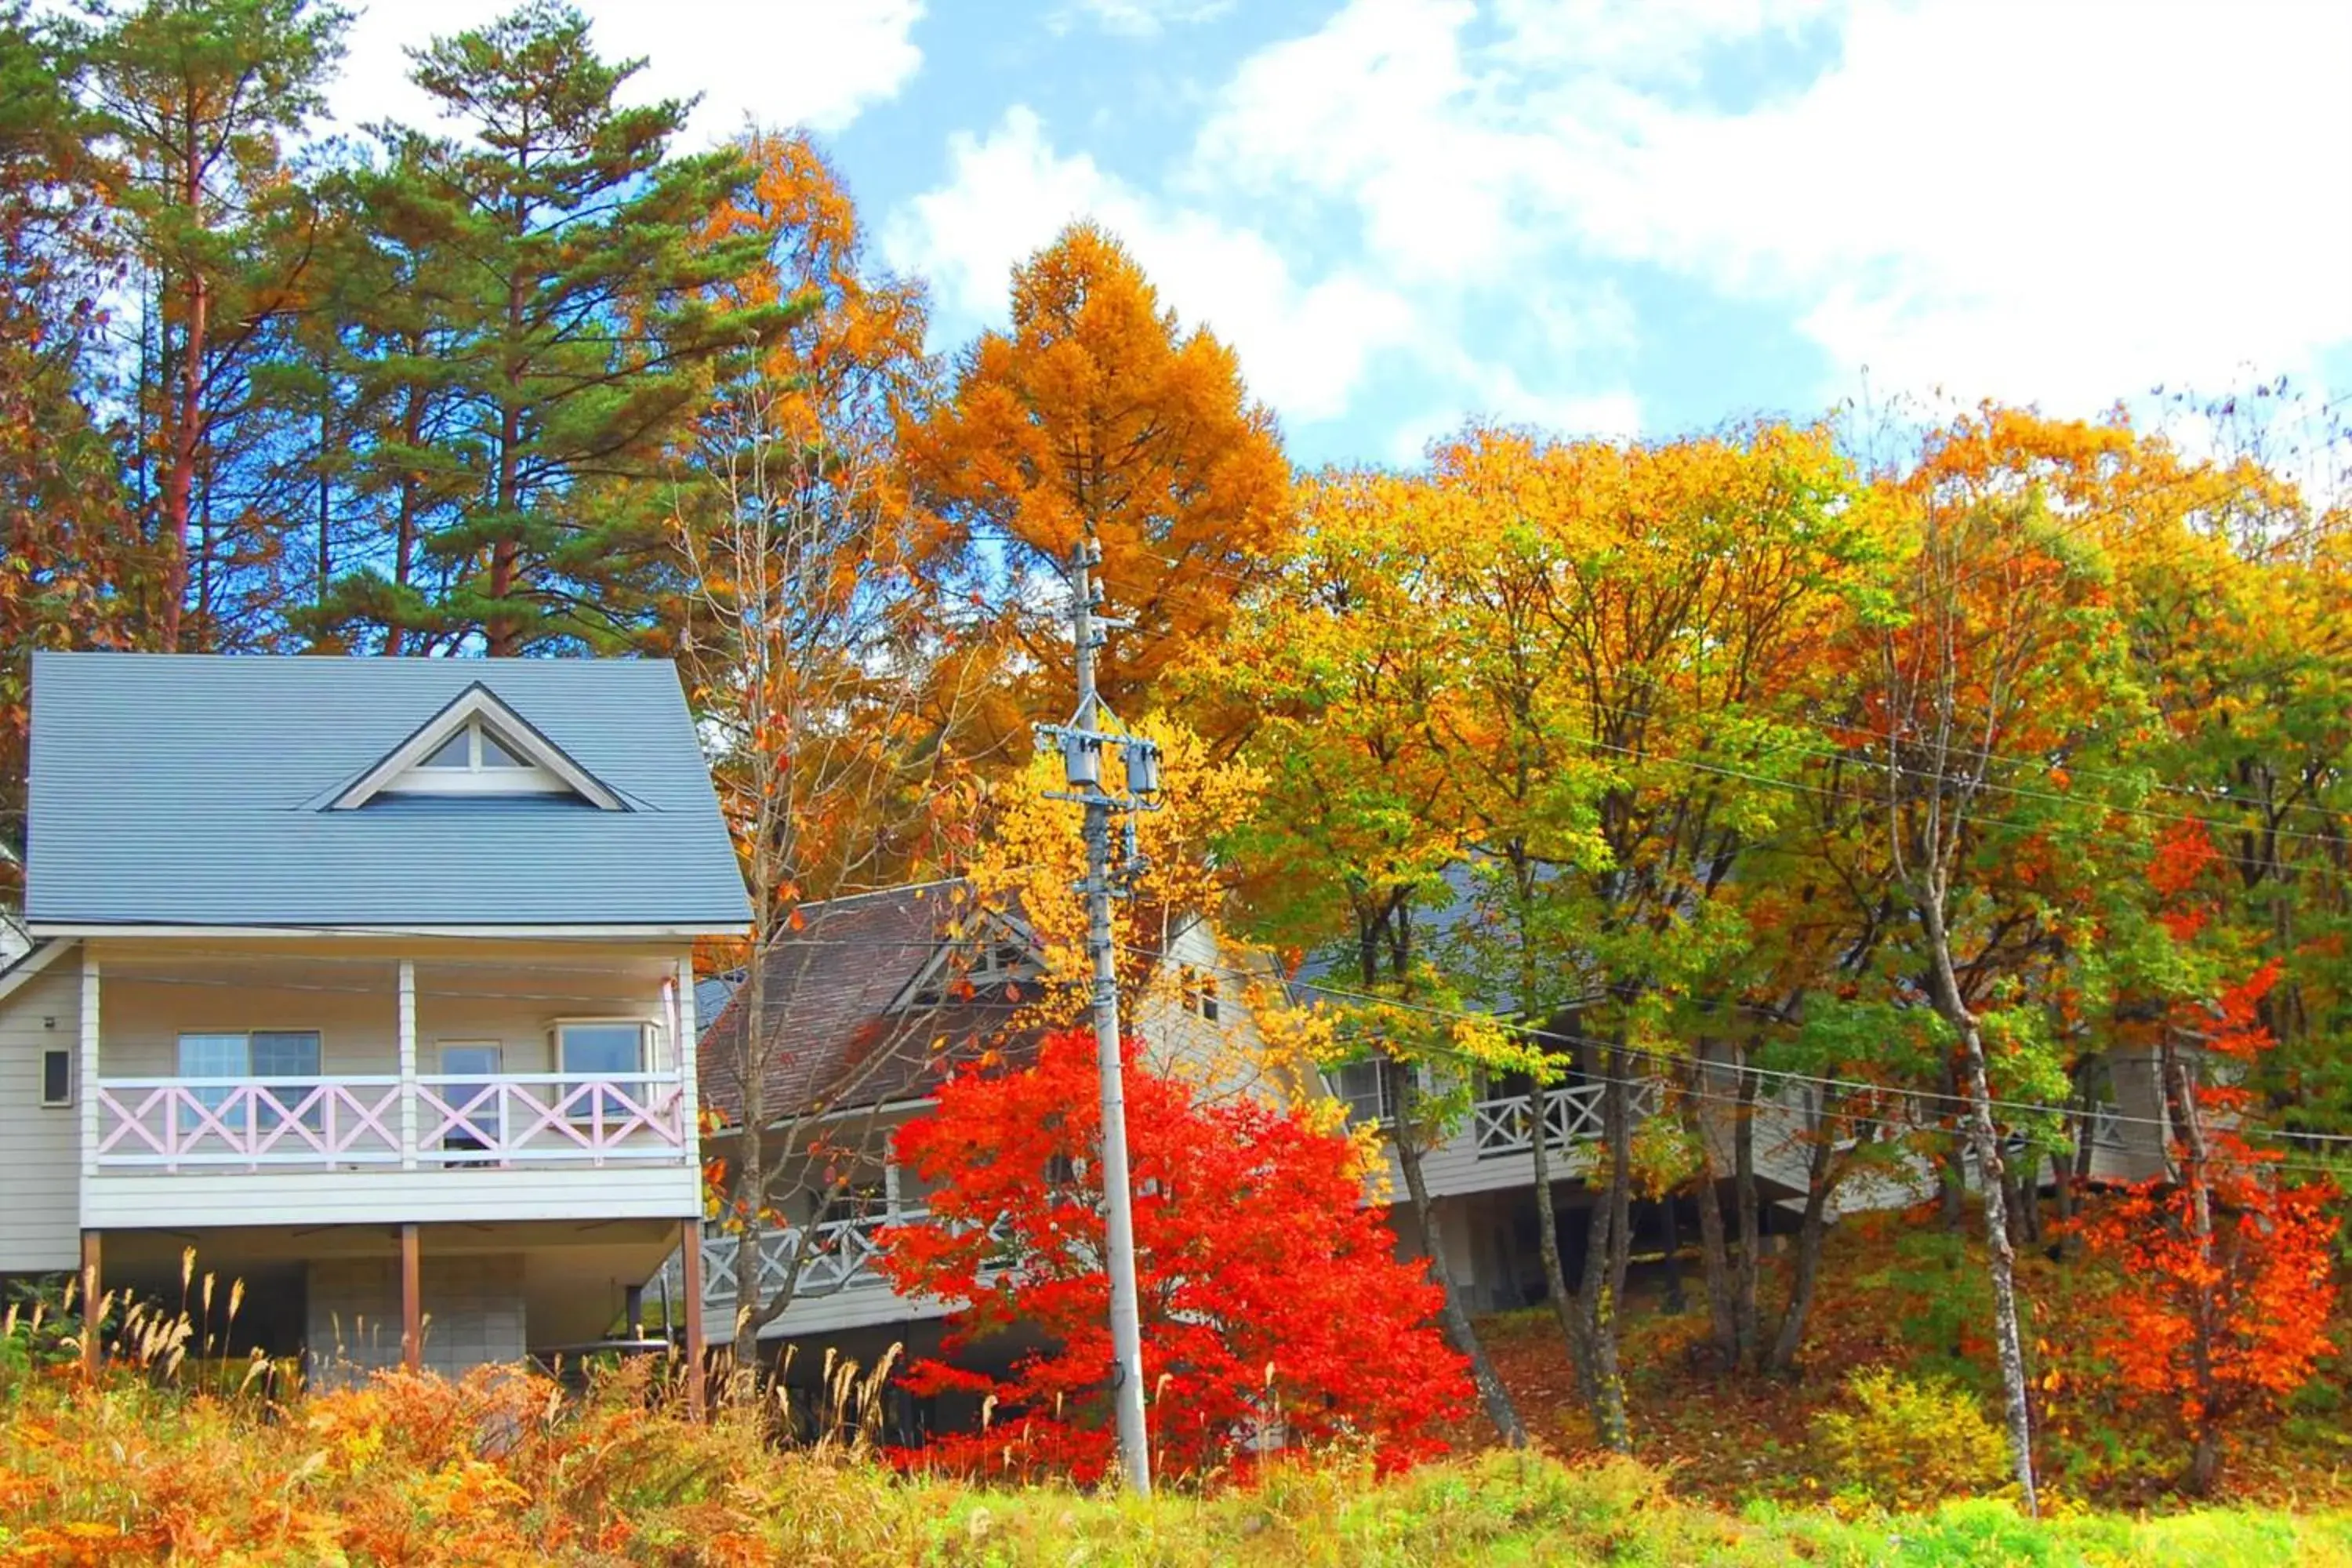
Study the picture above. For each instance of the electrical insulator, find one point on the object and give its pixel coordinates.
(1081, 762)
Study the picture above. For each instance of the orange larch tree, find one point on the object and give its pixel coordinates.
(1097, 415)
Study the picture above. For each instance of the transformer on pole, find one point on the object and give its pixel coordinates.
(1082, 743)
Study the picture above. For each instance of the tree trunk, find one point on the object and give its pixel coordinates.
(1748, 1330)
(2205, 1459)
(1604, 1247)
(1458, 1328)
(1820, 1178)
(1714, 1260)
(2205, 1462)
(2008, 1342)
(1564, 1304)
(1670, 1226)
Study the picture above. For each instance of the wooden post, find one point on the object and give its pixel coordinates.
(412, 1301)
(91, 1286)
(690, 1234)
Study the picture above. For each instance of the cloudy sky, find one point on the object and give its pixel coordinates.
(1598, 215)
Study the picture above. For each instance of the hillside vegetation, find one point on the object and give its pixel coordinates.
(502, 1469)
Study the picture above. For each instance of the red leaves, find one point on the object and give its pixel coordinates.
(2217, 1322)
(1274, 1305)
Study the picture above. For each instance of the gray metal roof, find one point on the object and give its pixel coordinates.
(180, 789)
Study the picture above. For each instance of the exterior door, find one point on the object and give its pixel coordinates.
(475, 1096)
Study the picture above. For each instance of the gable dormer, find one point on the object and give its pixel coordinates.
(477, 746)
(997, 953)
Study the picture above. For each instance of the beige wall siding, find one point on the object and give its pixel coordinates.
(40, 1146)
(354, 1005)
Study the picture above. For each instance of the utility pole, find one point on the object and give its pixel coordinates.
(1082, 743)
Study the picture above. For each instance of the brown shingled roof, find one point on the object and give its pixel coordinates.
(833, 1037)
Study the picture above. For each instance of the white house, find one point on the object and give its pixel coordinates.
(369, 980)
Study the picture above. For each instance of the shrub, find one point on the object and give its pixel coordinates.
(1908, 1444)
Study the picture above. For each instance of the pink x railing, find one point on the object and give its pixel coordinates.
(247, 1123)
(514, 1118)
(527, 1118)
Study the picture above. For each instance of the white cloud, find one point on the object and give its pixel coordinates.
(2059, 200)
(1148, 18)
(1304, 344)
(782, 62)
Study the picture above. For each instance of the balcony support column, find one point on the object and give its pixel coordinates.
(408, 1064)
(412, 1300)
(689, 1252)
(87, 1086)
(684, 1055)
(92, 1286)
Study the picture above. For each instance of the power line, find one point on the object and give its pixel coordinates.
(1459, 1015)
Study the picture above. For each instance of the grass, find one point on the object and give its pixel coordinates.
(500, 1469)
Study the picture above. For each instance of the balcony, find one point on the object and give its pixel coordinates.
(1572, 1115)
(359, 1123)
(359, 1148)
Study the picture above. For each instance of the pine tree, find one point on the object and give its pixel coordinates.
(191, 103)
(575, 325)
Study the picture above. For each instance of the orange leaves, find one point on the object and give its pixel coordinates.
(2215, 1315)
(1095, 413)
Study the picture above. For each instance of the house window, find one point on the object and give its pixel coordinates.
(1200, 994)
(263, 1054)
(596, 1048)
(476, 760)
(474, 748)
(1365, 1088)
(57, 1078)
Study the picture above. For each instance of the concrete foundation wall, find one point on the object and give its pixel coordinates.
(473, 1314)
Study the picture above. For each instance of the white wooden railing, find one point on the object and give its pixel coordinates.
(510, 1119)
(1572, 1115)
(841, 1256)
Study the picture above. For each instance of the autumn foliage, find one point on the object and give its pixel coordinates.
(2226, 1271)
(1275, 1309)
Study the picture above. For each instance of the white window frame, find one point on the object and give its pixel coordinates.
(649, 1049)
(401, 771)
(522, 776)
(215, 1098)
(1381, 1096)
(483, 1087)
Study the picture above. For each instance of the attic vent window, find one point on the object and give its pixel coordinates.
(477, 746)
(475, 750)
(474, 760)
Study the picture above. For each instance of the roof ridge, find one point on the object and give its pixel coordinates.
(899, 889)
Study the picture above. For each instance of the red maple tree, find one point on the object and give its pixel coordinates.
(1275, 1308)
(2227, 1271)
